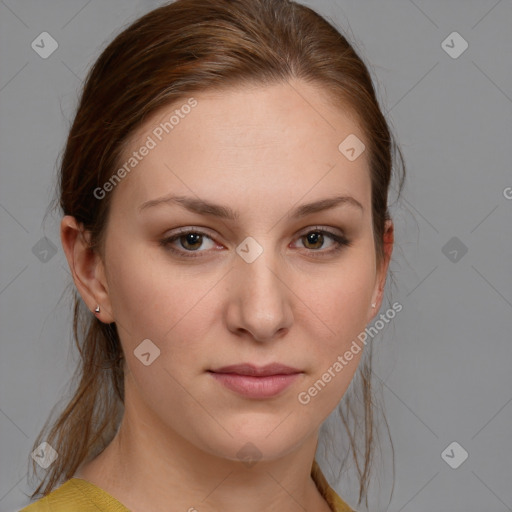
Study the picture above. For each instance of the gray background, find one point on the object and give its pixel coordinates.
(444, 363)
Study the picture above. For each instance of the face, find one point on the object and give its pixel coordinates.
(273, 282)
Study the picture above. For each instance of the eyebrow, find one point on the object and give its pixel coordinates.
(225, 212)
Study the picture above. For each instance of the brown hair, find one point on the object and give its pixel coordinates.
(181, 47)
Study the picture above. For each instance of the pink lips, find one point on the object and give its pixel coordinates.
(256, 382)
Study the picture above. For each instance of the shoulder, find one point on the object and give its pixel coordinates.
(334, 501)
(76, 494)
(337, 504)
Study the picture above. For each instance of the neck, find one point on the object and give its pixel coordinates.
(148, 466)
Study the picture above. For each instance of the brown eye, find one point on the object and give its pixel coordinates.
(315, 238)
(189, 242)
(315, 241)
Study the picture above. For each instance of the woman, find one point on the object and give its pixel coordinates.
(224, 189)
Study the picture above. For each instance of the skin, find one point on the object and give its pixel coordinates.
(261, 151)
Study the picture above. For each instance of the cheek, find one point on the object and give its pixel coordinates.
(147, 296)
(341, 303)
(138, 294)
(153, 299)
(343, 298)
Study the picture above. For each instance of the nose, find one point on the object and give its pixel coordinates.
(260, 300)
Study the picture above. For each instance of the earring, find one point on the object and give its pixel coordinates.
(373, 305)
(97, 310)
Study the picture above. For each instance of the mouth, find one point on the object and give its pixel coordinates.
(258, 371)
(256, 382)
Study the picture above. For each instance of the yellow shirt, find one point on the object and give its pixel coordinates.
(78, 495)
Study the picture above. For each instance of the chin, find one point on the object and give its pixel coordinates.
(256, 441)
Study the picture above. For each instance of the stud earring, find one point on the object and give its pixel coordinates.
(373, 305)
(97, 310)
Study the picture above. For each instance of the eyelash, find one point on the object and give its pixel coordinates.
(340, 240)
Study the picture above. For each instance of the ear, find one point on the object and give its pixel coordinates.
(86, 268)
(388, 241)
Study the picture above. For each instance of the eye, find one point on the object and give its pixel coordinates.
(315, 239)
(192, 240)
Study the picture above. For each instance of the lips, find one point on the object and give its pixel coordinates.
(256, 382)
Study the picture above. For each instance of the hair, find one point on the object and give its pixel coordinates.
(161, 58)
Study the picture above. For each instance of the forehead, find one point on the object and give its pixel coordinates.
(262, 141)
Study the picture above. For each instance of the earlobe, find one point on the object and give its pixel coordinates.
(86, 268)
